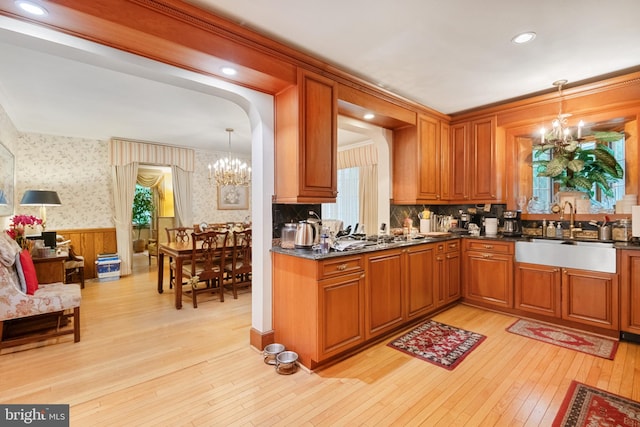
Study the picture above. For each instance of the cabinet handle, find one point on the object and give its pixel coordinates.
(555, 270)
(488, 246)
(362, 276)
(438, 258)
(487, 256)
(341, 267)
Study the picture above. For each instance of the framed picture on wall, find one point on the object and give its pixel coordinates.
(6, 181)
(233, 197)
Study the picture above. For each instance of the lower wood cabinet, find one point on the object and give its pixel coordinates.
(340, 306)
(322, 308)
(538, 289)
(488, 272)
(590, 297)
(586, 297)
(384, 291)
(448, 273)
(630, 291)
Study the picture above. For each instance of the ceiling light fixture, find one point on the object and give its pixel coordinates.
(229, 71)
(560, 133)
(31, 7)
(369, 116)
(524, 37)
(230, 170)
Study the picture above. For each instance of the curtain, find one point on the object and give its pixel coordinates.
(368, 197)
(182, 195)
(124, 185)
(366, 159)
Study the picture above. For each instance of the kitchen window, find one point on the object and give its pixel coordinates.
(347, 206)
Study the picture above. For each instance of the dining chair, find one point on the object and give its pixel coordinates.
(239, 269)
(205, 273)
(181, 235)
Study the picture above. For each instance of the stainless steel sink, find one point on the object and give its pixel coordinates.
(593, 256)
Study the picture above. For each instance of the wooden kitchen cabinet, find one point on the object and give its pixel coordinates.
(538, 289)
(306, 141)
(488, 272)
(420, 275)
(590, 298)
(630, 291)
(475, 162)
(384, 291)
(318, 305)
(417, 162)
(447, 283)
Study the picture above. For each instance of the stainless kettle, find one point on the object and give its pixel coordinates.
(305, 235)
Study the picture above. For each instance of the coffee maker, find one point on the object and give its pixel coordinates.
(512, 224)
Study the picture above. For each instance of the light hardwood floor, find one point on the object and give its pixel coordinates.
(141, 362)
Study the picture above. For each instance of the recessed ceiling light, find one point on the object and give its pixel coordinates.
(524, 37)
(369, 116)
(31, 7)
(229, 71)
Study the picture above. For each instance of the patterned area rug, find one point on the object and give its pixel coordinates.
(567, 338)
(587, 406)
(440, 344)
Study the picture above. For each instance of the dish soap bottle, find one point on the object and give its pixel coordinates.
(559, 230)
(551, 229)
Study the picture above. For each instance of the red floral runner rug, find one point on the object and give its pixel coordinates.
(585, 406)
(567, 338)
(440, 344)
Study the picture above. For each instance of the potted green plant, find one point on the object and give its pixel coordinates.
(141, 214)
(575, 167)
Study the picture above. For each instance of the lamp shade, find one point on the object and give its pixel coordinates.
(40, 198)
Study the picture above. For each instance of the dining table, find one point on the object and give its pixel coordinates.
(179, 252)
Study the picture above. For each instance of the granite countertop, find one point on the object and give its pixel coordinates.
(372, 246)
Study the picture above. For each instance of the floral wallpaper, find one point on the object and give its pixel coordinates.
(78, 169)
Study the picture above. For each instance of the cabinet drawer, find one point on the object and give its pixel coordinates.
(342, 265)
(490, 246)
(447, 247)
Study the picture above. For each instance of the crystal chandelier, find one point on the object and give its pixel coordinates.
(230, 170)
(561, 133)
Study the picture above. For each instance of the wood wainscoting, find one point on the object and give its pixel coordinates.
(89, 242)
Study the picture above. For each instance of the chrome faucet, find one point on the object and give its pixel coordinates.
(572, 228)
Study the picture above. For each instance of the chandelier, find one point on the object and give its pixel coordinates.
(561, 133)
(230, 170)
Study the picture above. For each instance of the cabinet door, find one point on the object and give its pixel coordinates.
(429, 157)
(630, 291)
(420, 279)
(306, 141)
(590, 297)
(538, 289)
(489, 278)
(458, 162)
(417, 162)
(452, 277)
(483, 160)
(384, 295)
(341, 311)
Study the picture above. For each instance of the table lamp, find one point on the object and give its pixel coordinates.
(41, 198)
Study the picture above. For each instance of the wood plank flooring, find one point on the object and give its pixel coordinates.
(141, 362)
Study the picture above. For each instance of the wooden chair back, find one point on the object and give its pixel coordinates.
(179, 234)
(208, 254)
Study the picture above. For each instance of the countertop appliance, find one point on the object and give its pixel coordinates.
(306, 234)
(512, 224)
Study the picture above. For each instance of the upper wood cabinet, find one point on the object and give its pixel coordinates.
(306, 147)
(417, 162)
(475, 162)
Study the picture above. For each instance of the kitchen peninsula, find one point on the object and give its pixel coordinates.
(326, 306)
